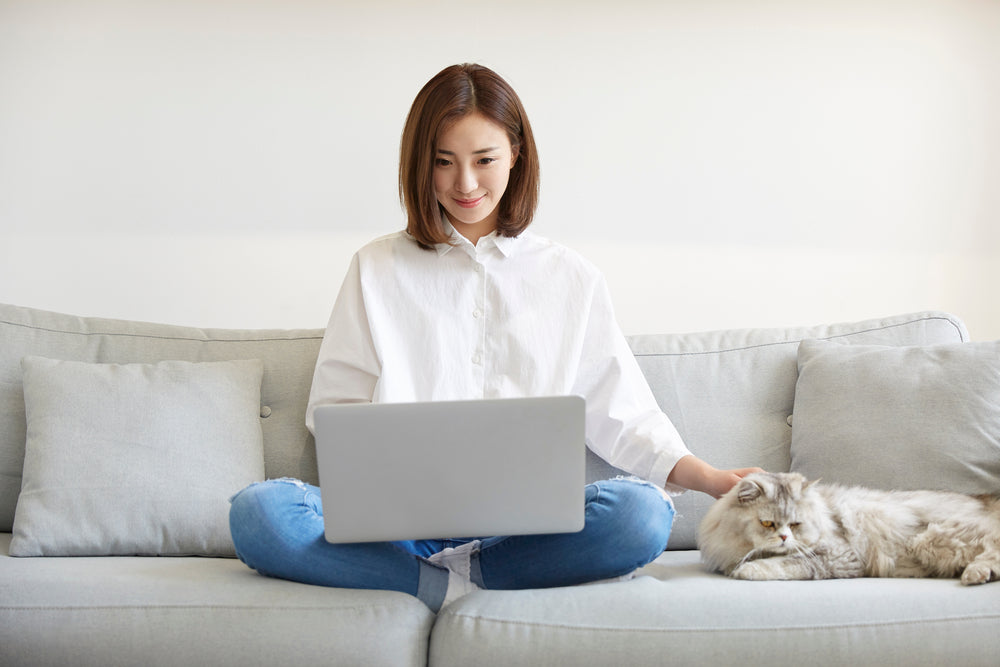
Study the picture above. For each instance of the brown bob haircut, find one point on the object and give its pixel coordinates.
(456, 92)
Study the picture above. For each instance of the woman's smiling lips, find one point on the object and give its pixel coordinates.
(469, 203)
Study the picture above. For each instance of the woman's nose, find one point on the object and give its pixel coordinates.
(466, 181)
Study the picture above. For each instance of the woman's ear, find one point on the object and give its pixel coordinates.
(515, 150)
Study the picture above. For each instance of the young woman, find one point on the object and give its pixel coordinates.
(468, 304)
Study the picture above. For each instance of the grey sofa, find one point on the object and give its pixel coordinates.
(730, 393)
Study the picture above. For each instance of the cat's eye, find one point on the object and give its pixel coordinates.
(795, 525)
(767, 524)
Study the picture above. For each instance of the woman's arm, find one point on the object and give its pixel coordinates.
(693, 473)
(347, 366)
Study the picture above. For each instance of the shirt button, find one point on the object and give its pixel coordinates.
(477, 314)
(476, 359)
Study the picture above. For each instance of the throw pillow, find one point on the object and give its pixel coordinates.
(899, 417)
(135, 459)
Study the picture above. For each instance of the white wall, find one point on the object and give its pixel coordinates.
(727, 163)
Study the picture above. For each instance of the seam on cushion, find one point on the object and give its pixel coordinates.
(799, 340)
(209, 607)
(726, 629)
(159, 337)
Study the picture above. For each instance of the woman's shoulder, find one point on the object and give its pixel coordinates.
(558, 252)
(386, 241)
(388, 245)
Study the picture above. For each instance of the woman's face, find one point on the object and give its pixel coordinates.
(471, 170)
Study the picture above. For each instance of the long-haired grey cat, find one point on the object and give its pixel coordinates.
(780, 526)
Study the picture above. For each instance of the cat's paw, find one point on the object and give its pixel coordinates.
(755, 570)
(976, 573)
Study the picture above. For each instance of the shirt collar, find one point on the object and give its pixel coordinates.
(507, 245)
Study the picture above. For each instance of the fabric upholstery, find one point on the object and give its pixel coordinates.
(288, 356)
(676, 613)
(125, 459)
(111, 612)
(923, 417)
(731, 393)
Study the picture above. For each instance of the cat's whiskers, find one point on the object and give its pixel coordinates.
(753, 554)
(810, 556)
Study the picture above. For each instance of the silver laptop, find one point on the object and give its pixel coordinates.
(451, 469)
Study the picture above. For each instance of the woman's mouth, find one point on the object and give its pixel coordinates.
(469, 203)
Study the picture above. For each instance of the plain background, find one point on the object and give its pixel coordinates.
(727, 164)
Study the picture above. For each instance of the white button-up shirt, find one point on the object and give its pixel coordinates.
(506, 318)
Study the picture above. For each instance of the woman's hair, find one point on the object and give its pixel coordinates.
(452, 94)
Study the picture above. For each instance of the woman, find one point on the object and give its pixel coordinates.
(468, 304)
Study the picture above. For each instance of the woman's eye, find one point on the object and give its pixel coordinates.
(441, 162)
(767, 524)
(486, 161)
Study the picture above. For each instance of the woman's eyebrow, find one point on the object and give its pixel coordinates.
(480, 151)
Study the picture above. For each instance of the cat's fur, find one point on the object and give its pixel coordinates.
(780, 526)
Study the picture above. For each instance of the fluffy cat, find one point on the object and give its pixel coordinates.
(780, 526)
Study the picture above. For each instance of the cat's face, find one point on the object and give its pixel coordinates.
(777, 511)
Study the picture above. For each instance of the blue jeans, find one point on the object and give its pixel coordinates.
(277, 527)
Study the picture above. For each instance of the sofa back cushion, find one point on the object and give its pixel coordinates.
(288, 356)
(730, 393)
(905, 418)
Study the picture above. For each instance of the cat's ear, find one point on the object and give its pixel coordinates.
(748, 491)
(797, 482)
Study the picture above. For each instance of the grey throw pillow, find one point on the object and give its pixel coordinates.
(899, 417)
(135, 459)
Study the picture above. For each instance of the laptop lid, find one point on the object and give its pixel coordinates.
(451, 469)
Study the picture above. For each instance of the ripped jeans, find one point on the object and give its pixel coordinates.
(277, 528)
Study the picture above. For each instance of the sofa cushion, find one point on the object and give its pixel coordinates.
(923, 417)
(677, 613)
(127, 459)
(98, 611)
(730, 393)
(288, 356)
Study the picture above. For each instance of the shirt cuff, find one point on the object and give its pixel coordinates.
(661, 469)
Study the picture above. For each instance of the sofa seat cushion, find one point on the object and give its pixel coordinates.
(677, 613)
(194, 611)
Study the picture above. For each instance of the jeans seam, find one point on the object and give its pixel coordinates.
(597, 487)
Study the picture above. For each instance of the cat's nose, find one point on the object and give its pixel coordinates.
(783, 537)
